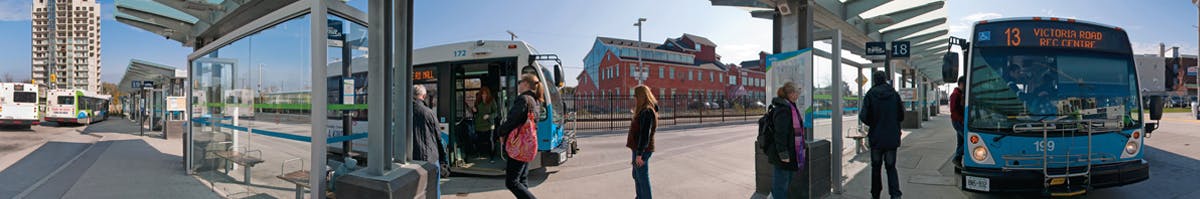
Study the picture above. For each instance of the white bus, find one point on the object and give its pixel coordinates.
(76, 107)
(18, 104)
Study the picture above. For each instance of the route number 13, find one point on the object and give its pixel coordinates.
(1013, 36)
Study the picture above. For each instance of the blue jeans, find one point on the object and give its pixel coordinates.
(780, 182)
(437, 175)
(641, 176)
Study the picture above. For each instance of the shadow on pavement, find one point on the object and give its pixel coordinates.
(37, 165)
(1172, 175)
(465, 184)
(10, 128)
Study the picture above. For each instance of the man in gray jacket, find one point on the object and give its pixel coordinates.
(427, 143)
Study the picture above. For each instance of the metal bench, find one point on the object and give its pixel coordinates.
(244, 158)
(299, 176)
(859, 135)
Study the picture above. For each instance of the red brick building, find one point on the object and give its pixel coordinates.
(687, 65)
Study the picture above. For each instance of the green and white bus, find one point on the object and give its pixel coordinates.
(76, 107)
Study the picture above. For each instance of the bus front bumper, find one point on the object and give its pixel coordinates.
(1102, 175)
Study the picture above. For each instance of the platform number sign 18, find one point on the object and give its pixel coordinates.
(900, 49)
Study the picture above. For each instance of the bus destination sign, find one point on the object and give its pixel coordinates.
(1050, 34)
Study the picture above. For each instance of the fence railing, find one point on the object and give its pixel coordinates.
(614, 112)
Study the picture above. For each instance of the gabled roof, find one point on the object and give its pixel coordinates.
(699, 39)
(626, 42)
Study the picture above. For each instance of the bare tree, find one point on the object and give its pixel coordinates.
(8, 77)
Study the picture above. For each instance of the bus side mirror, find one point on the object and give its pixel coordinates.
(1156, 107)
(950, 67)
(558, 75)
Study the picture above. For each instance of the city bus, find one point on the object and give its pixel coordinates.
(19, 104)
(76, 107)
(1052, 106)
(454, 73)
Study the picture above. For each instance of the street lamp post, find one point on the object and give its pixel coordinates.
(641, 77)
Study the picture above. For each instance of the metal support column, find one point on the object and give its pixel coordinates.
(318, 55)
(836, 59)
(402, 63)
(377, 131)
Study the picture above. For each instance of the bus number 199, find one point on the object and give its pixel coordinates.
(1044, 145)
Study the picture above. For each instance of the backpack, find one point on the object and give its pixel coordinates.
(521, 144)
(766, 131)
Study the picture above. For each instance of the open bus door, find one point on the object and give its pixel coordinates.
(469, 151)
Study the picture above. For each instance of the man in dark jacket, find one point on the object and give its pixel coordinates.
(427, 143)
(883, 111)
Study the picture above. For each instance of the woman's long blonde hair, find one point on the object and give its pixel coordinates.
(644, 99)
(535, 86)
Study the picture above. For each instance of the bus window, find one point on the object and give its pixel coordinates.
(25, 97)
(66, 100)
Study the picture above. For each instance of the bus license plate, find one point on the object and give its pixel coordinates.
(978, 183)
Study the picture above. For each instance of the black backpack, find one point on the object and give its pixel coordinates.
(766, 131)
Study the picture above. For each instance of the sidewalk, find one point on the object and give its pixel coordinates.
(923, 163)
(123, 165)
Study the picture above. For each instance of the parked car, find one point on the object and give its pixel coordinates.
(759, 104)
(713, 105)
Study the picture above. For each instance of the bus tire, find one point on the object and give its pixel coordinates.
(445, 173)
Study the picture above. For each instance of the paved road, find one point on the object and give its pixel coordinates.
(716, 163)
(711, 162)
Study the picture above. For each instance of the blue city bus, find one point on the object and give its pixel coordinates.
(1052, 106)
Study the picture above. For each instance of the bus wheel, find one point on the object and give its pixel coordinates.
(445, 170)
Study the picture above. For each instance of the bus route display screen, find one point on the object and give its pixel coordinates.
(1051, 34)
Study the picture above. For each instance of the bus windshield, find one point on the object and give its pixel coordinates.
(1011, 86)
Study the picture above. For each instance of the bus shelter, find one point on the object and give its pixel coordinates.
(148, 89)
(274, 89)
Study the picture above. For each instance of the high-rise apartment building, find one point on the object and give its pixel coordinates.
(74, 28)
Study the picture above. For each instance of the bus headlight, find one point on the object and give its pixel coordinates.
(1131, 147)
(979, 153)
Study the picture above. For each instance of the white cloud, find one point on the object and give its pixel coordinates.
(964, 24)
(736, 53)
(981, 16)
(959, 28)
(15, 10)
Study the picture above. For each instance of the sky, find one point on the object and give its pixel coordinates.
(568, 28)
(118, 43)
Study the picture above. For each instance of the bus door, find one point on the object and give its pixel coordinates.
(475, 150)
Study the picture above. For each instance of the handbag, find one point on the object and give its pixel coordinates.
(521, 144)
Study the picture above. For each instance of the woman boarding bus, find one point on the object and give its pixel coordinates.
(455, 72)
